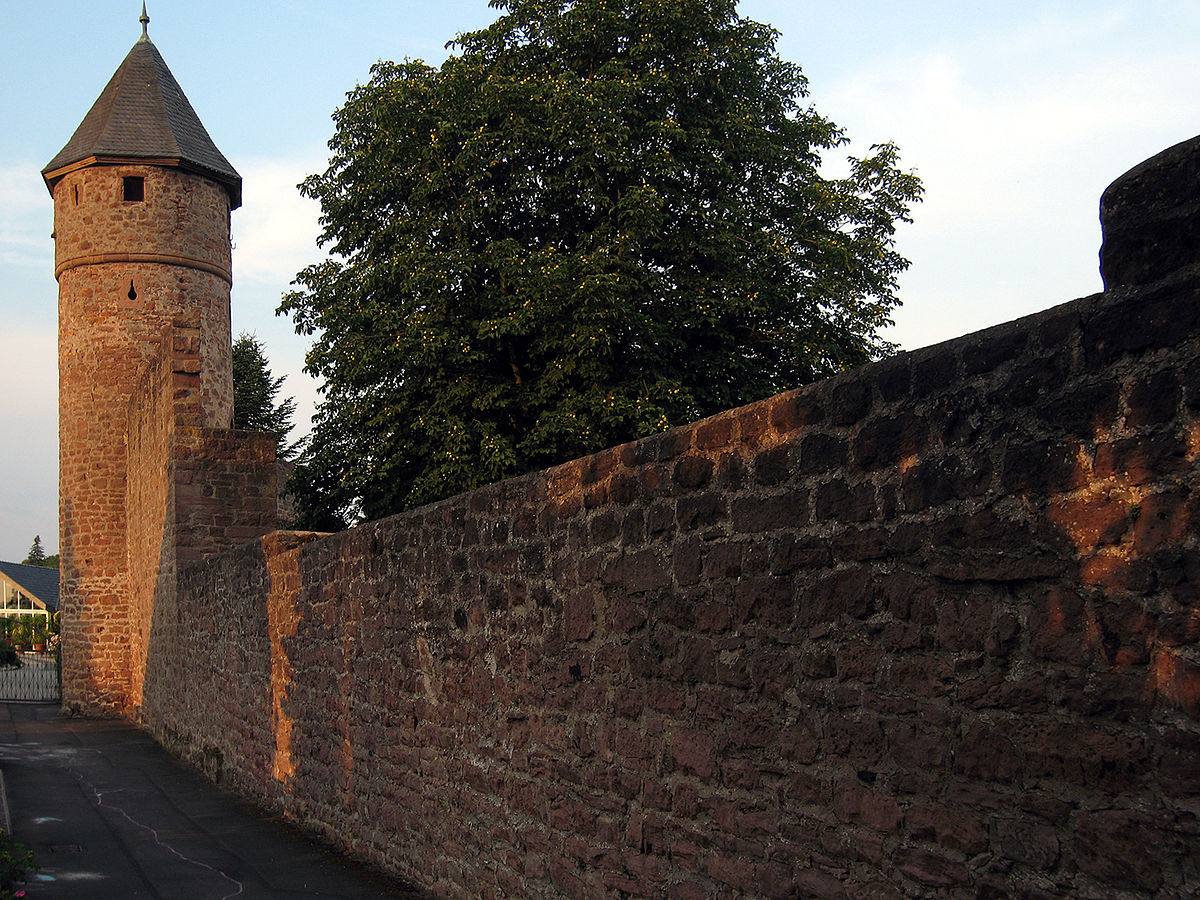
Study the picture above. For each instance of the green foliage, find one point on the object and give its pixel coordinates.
(21, 632)
(27, 628)
(254, 392)
(37, 554)
(15, 862)
(600, 219)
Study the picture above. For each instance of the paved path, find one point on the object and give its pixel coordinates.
(110, 814)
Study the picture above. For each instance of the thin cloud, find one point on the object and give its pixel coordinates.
(1013, 161)
(275, 231)
(25, 217)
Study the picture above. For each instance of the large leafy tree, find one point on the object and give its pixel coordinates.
(598, 219)
(255, 389)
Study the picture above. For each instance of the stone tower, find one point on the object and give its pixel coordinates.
(142, 199)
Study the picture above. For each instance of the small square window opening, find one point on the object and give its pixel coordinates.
(135, 188)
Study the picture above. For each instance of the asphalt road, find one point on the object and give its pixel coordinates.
(110, 814)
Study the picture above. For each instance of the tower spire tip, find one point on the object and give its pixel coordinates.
(145, 20)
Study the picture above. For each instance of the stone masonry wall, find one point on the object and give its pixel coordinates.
(177, 238)
(926, 629)
(190, 491)
(225, 490)
(149, 500)
(126, 270)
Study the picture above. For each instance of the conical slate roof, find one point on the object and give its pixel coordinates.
(143, 115)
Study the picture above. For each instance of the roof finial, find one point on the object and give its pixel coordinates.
(145, 20)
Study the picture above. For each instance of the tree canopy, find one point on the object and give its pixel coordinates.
(598, 219)
(37, 553)
(254, 392)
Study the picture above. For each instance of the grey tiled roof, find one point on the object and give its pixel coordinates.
(35, 581)
(143, 114)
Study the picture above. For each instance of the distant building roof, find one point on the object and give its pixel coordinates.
(143, 115)
(39, 582)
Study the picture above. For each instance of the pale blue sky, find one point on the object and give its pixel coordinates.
(1016, 115)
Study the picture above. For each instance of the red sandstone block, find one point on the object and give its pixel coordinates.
(1093, 521)
(984, 752)
(799, 743)
(645, 571)
(1097, 757)
(666, 698)
(1045, 807)
(723, 561)
(578, 616)
(700, 510)
(1111, 846)
(930, 868)
(510, 883)
(598, 466)
(692, 472)
(686, 556)
(918, 747)
(734, 871)
(751, 729)
(656, 794)
(626, 785)
(723, 813)
(713, 617)
(813, 882)
(740, 774)
(964, 620)
(1179, 764)
(632, 746)
(789, 553)
(859, 661)
(734, 673)
(1060, 627)
(693, 752)
(731, 471)
(685, 801)
(687, 890)
(1029, 843)
(1165, 519)
(595, 495)
(757, 824)
(686, 851)
(751, 515)
(766, 600)
(665, 446)
(1143, 459)
(715, 432)
(788, 411)
(624, 884)
(623, 489)
(859, 805)
(564, 875)
(645, 867)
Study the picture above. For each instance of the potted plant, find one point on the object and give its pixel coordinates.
(40, 633)
(21, 634)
